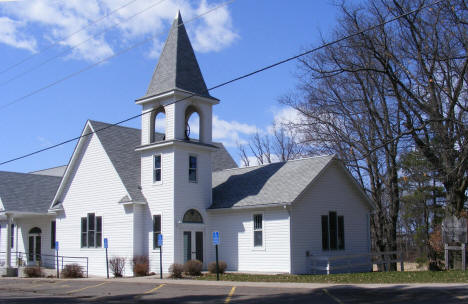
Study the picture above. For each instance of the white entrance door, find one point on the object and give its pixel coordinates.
(193, 245)
(34, 248)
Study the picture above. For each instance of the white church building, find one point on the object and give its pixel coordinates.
(128, 186)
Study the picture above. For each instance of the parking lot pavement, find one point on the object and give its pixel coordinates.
(23, 291)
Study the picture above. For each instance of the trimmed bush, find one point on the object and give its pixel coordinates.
(140, 265)
(72, 271)
(221, 264)
(33, 272)
(176, 270)
(117, 266)
(193, 267)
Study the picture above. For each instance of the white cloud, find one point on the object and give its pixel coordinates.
(230, 133)
(11, 35)
(56, 20)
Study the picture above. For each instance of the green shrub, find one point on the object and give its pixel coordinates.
(421, 261)
(71, 271)
(193, 267)
(140, 265)
(221, 264)
(33, 272)
(176, 270)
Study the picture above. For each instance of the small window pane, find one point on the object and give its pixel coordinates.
(193, 175)
(90, 238)
(157, 161)
(193, 162)
(90, 221)
(84, 239)
(258, 239)
(257, 221)
(98, 239)
(157, 168)
(99, 223)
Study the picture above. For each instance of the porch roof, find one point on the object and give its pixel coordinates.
(25, 192)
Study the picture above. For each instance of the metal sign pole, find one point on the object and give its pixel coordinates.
(160, 244)
(217, 264)
(106, 244)
(57, 252)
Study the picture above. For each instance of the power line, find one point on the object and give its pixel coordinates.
(71, 75)
(77, 45)
(67, 37)
(229, 81)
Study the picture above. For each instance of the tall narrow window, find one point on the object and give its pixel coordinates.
(156, 230)
(157, 169)
(341, 239)
(84, 232)
(258, 230)
(98, 231)
(91, 231)
(333, 230)
(12, 235)
(333, 235)
(325, 242)
(52, 234)
(193, 169)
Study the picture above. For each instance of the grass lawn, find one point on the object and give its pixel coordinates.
(453, 276)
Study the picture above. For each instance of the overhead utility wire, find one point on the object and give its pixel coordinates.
(71, 75)
(77, 45)
(67, 37)
(229, 81)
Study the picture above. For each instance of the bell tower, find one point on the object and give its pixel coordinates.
(175, 168)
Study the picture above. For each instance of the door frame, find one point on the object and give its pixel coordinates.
(34, 259)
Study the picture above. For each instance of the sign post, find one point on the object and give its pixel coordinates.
(56, 251)
(106, 245)
(216, 243)
(160, 244)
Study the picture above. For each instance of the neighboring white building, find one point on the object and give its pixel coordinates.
(130, 185)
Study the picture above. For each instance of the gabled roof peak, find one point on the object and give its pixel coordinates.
(177, 68)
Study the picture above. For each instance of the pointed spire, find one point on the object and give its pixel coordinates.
(177, 67)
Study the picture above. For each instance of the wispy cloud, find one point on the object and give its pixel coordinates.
(57, 20)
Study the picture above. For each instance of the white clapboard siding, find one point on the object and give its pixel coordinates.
(333, 191)
(95, 187)
(236, 234)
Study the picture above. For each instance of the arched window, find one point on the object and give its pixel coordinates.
(192, 123)
(158, 125)
(192, 216)
(35, 230)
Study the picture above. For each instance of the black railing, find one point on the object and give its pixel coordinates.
(50, 261)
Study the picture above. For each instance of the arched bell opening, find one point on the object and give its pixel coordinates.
(158, 125)
(192, 123)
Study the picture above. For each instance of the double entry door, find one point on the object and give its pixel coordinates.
(34, 251)
(193, 245)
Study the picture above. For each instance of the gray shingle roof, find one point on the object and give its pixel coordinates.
(177, 67)
(27, 192)
(120, 142)
(272, 184)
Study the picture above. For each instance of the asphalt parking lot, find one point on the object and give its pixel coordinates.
(52, 291)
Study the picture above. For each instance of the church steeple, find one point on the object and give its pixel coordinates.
(177, 68)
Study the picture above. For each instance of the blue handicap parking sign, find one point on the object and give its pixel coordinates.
(160, 240)
(106, 243)
(56, 245)
(215, 238)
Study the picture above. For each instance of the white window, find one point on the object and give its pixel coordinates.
(192, 169)
(157, 172)
(258, 230)
(91, 231)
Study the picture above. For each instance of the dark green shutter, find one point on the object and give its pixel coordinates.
(324, 232)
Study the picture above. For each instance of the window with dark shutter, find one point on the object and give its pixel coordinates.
(52, 234)
(325, 232)
(333, 231)
(98, 231)
(91, 229)
(192, 169)
(157, 172)
(341, 239)
(156, 230)
(84, 232)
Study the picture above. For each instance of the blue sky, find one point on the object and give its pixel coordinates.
(229, 42)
